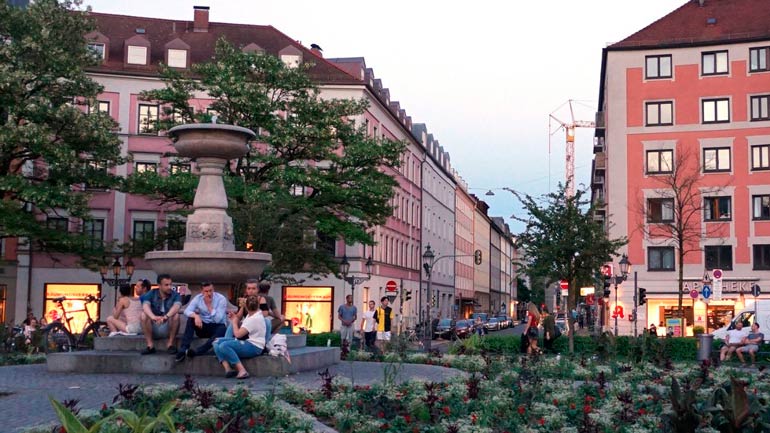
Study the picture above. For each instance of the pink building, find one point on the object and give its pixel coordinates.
(689, 95)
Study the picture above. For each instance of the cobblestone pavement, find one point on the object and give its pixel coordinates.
(24, 390)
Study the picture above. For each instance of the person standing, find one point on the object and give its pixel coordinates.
(549, 330)
(348, 314)
(384, 317)
(206, 316)
(653, 331)
(533, 320)
(369, 326)
(277, 317)
(159, 315)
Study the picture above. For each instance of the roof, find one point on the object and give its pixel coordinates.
(159, 32)
(716, 22)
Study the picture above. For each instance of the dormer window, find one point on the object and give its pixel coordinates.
(99, 45)
(97, 49)
(177, 58)
(291, 56)
(136, 55)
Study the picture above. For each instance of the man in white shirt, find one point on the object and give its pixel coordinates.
(733, 340)
(369, 326)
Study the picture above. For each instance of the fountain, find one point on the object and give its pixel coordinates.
(209, 252)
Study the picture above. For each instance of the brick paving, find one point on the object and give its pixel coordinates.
(31, 385)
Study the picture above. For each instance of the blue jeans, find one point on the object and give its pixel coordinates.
(233, 350)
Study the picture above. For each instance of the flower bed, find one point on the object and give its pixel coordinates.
(21, 358)
(547, 395)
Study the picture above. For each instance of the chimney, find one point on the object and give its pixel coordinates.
(201, 16)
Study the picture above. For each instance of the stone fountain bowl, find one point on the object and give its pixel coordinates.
(192, 267)
(210, 140)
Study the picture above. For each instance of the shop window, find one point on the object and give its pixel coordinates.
(660, 258)
(760, 107)
(762, 257)
(761, 208)
(716, 159)
(660, 210)
(660, 161)
(660, 113)
(657, 67)
(74, 304)
(717, 208)
(308, 308)
(719, 257)
(714, 63)
(758, 59)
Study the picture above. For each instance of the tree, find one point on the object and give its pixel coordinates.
(562, 241)
(312, 177)
(50, 147)
(676, 217)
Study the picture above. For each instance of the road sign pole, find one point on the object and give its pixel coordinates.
(636, 300)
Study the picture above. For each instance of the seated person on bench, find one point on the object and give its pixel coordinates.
(733, 340)
(751, 344)
(206, 317)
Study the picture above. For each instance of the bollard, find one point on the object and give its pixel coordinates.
(705, 342)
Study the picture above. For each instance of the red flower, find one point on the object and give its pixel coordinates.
(555, 402)
(62, 429)
(104, 406)
(589, 399)
(407, 419)
(572, 405)
(252, 422)
(220, 424)
(359, 403)
(587, 408)
(474, 418)
(522, 409)
(541, 421)
(446, 410)
(642, 411)
(381, 415)
(347, 405)
(465, 399)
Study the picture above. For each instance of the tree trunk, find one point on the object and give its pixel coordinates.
(571, 304)
(681, 280)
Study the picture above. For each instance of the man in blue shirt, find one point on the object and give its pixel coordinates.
(206, 317)
(159, 315)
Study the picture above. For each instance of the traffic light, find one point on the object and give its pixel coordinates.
(642, 298)
(477, 257)
(407, 295)
(433, 301)
(607, 287)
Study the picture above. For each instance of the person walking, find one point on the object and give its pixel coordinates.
(533, 320)
(369, 326)
(549, 330)
(348, 314)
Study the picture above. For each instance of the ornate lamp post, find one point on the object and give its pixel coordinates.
(353, 280)
(624, 265)
(428, 260)
(116, 281)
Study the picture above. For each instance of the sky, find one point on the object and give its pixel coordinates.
(483, 76)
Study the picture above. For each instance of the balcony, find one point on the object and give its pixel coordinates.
(600, 161)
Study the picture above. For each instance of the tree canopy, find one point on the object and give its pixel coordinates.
(52, 151)
(563, 241)
(313, 175)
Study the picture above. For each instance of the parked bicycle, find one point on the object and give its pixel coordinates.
(58, 336)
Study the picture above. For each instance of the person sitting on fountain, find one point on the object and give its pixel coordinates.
(277, 317)
(127, 316)
(206, 315)
(230, 350)
(159, 315)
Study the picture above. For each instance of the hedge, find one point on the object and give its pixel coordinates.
(321, 339)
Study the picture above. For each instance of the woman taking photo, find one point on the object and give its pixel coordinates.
(230, 350)
(533, 320)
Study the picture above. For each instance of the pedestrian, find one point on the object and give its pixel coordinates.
(533, 320)
(653, 331)
(126, 318)
(751, 344)
(369, 326)
(549, 330)
(384, 317)
(206, 318)
(276, 321)
(159, 315)
(348, 314)
(230, 350)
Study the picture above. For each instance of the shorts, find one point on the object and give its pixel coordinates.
(533, 333)
(748, 348)
(383, 335)
(160, 330)
(134, 328)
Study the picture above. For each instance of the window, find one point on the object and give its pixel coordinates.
(144, 230)
(660, 113)
(94, 229)
(761, 207)
(142, 167)
(58, 224)
(658, 67)
(97, 49)
(760, 157)
(714, 63)
(291, 60)
(660, 161)
(716, 159)
(148, 118)
(95, 171)
(660, 210)
(719, 257)
(717, 208)
(716, 110)
(177, 167)
(177, 58)
(660, 258)
(99, 107)
(758, 59)
(762, 257)
(759, 107)
(136, 55)
(176, 232)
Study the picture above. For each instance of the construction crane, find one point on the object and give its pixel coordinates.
(569, 129)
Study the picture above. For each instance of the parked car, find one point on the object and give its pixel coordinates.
(463, 328)
(445, 329)
(505, 321)
(493, 324)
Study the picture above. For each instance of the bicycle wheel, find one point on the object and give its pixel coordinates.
(92, 331)
(56, 338)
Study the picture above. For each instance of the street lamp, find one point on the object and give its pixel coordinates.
(624, 265)
(353, 280)
(116, 281)
(428, 260)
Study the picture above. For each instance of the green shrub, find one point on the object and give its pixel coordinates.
(319, 340)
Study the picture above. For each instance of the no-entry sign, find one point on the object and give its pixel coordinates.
(391, 286)
(564, 284)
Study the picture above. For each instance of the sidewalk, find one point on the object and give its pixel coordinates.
(24, 390)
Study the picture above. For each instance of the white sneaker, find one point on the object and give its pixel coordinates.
(114, 333)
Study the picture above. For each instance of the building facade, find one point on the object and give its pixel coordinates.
(465, 206)
(683, 117)
(481, 273)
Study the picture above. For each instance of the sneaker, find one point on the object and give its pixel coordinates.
(180, 356)
(191, 353)
(172, 350)
(148, 351)
(113, 333)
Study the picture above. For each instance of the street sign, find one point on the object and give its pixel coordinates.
(717, 273)
(590, 299)
(694, 294)
(564, 284)
(564, 292)
(391, 286)
(755, 290)
(717, 289)
(706, 291)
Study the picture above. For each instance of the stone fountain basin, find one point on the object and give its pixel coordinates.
(210, 140)
(192, 267)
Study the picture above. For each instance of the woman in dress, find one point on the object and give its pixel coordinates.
(230, 350)
(533, 320)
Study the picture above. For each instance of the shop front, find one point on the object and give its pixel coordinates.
(74, 304)
(310, 309)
